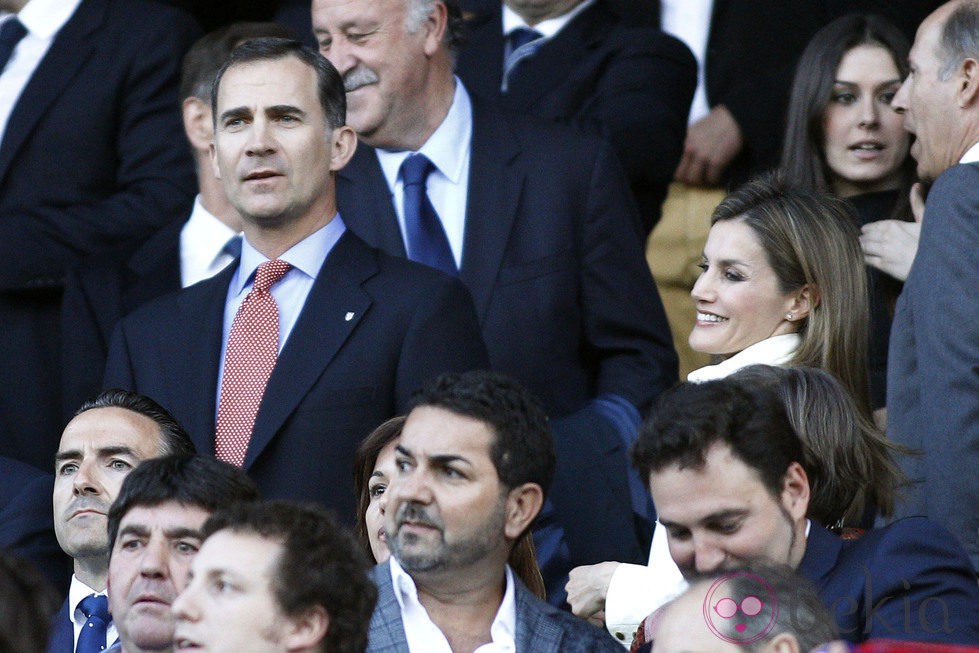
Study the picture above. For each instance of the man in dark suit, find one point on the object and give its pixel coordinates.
(588, 65)
(26, 528)
(204, 240)
(88, 163)
(537, 221)
(354, 332)
(932, 376)
(475, 461)
(726, 472)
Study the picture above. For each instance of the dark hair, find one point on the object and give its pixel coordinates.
(174, 439)
(812, 239)
(523, 451)
(206, 56)
(320, 565)
(201, 481)
(686, 421)
(849, 461)
(523, 558)
(28, 603)
(803, 152)
(333, 98)
(798, 612)
(959, 38)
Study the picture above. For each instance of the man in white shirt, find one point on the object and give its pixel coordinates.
(105, 441)
(474, 462)
(932, 376)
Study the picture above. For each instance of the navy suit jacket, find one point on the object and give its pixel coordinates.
(565, 299)
(541, 627)
(933, 362)
(907, 581)
(93, 157)
(373, 330)
(61, 637)
(633, 84)
(98, 293)
(26, 521)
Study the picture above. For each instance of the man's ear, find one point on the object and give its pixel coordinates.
(795, 491)
(307, 631)
(197, 123)
(214, 161)
(968, 86)
(522, 505)
(434, 26)
(783, 643)
(344, 145)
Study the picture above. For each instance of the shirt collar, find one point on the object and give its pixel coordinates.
(503, 630)
(43, 18)
(971, 155)
(548, 28)
(446, 148)
(307, 255)
(77, 592)
(205, 232)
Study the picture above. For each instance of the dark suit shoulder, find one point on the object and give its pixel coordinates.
(543, 627)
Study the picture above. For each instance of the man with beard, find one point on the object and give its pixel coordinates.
(104, 442)
(727, 474)
(474, 463)
(154, 532)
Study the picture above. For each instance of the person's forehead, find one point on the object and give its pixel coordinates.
(434, 431)
(112, 428)
(243, 553)
(344, 14)
(164, 516)
(267, 81)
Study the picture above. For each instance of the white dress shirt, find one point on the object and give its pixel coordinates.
(971, 155)
(548, 28)
(424, 636)
(448, 185)
(77, 591)
(43, 19)
(202, 241)
(689, 21)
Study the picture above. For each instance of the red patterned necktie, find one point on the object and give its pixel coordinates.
(253, 347)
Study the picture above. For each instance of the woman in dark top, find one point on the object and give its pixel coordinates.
(843, 137)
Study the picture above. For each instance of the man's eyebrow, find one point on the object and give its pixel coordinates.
(139, 530)
(284, 110)
(236, 112)
(712, 517)
(75, 454)
(403, 451)
(179, 532)
(445, 459)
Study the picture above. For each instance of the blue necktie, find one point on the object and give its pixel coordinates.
(92, 637)
(427, 242)
(233, 247)
(10, 35)
(521, 43)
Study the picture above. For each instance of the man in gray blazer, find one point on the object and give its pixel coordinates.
(474, 462)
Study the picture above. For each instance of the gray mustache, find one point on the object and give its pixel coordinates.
(359, 76)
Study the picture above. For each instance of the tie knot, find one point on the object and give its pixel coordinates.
(95, 607)
(521, 36)
(269, 273)
(415, 169)
(12, 32)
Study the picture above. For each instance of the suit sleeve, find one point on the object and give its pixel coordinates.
(625, 325)
(147, 180)
(444, 336)
(946, 342)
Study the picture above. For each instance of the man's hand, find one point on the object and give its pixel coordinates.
(587, 587)
(890, 245)
(712, 143)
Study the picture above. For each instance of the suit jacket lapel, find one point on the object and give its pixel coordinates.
(198, 354)
(485, 73)
(387, 632)
(558, 58)
(61, 638)
(69, 50)
(364, 198)
(534, 632)
(322, 328)
(822, 551)
(495, 185)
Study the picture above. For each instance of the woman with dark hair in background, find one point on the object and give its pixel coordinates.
(842, 137)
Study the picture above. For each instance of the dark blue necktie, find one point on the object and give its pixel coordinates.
(92, 638)
(11, 33)
(427, 242)
(233, 247)
(518, 49)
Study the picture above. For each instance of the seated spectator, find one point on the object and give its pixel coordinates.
(727, 474)
(154, 532)
(843, 137)
(474, 463)
(582, 61)
(28, 603)
(275, 577)
(757, 609)
(374, 469)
